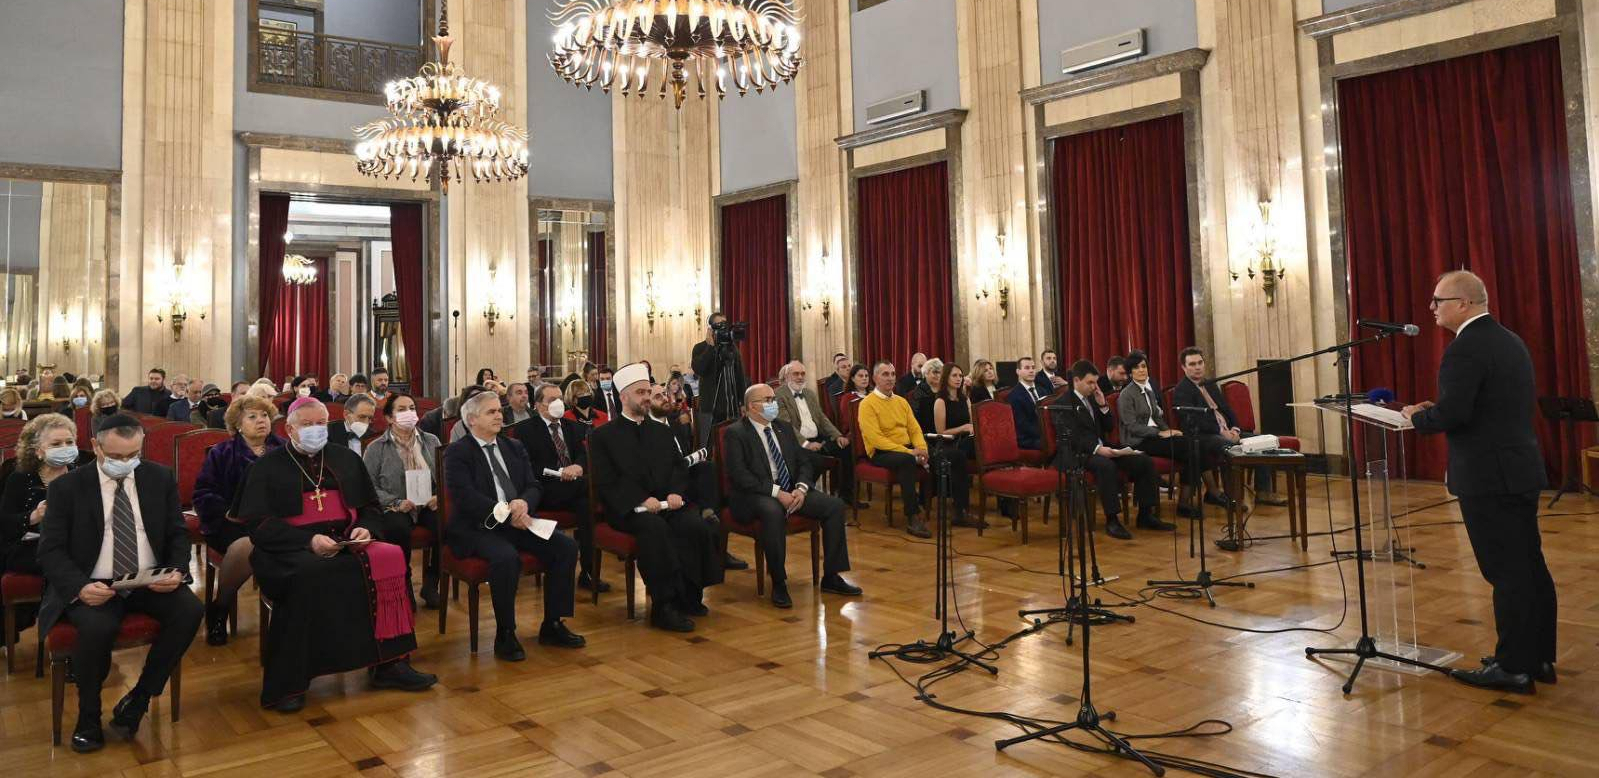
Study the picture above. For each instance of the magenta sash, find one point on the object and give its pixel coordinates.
(385, 566)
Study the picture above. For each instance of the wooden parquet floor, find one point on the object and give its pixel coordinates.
(762, 692)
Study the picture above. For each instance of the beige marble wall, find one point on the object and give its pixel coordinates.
(488, 251)
(177, 192)
(72, 246)
(823, 114)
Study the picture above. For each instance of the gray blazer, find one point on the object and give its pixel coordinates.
(788, 413)
(387, 468)
(1136, 411)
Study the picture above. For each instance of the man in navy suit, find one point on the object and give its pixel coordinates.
(1024, 400)
(483, 471)
(560, 445)
(1484, 409)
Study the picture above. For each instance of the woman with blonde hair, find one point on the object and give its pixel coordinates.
(11, 404)
(46, 449)
(982, 384)
(580, 404)
(249, 418)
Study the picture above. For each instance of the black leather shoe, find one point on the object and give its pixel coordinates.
(293, 704)
(1495, 677)
(87, 737)
(1187, 512)
(693, 608)
(780, 596)
(670, 619)
(399, 674)
(556, 634)
(587, 581)
(430, 594)
(1212, 498)
(507, 647)
(1544, 674)
(216, 625)
(128, 713)
(730, 562)
(917, 528)
(1156, 523)
(835, 584)
(1114, 528)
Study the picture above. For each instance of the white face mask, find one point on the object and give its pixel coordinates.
(358, 428)
(405, 420)
(557, 408)
(305, 391)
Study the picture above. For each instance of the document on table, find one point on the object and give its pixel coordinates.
(419, 486)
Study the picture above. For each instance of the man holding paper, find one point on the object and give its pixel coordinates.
(559, 449)
(1089, 425)
(116, 519)
(493, 493)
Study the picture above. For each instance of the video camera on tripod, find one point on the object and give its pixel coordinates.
(727, 332)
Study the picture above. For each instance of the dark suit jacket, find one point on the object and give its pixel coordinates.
(633, 461)
(534, 435)
(74, 527)
(1484, 409)
(470, 482)
(744, 455)
(180, 410)
(1186, 394)
(1086, 427)
(608, 401)
(143, 399)
(1025, 410)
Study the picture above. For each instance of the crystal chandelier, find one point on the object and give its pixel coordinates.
(640, 46)
(298, 270)
(445, 120)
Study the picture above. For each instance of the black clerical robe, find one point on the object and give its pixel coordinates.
(327, 612)
(632, 461)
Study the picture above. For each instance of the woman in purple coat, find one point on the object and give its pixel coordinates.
(215, 489)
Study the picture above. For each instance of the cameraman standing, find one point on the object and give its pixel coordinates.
(721, 372)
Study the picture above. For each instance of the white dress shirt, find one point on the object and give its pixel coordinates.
(492, 456)
(1467, 323)
(1031, 388)
(807, 424)
(1149, 392)
(103, 565)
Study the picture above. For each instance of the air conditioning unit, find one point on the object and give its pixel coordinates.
(1116, 48)
(896, 107)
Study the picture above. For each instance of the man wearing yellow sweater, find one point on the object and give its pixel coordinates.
(894, 442)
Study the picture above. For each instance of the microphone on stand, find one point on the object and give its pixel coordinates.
(1389, 327)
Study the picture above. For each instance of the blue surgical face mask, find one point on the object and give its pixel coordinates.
(769, 410)
(119, 468)
(313, 438)
(61, 456)
(606, 384)
(79, 402)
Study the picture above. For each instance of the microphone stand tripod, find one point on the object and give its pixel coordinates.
(944, 583)
(1089, 719)
(1069, 486)
(1202, 581)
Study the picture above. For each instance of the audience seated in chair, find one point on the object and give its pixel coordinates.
(348, 432)
(392, 459)
(1147, 427)
(983, 383)
(1050, 376)
(907, 383)
(1024, 399)
(215, 491)
(1088, 423)
(771, 477)
(800, 409)
(952, 416)
(838, 382)
(46, 449)
(1218, 429)
(494, 496)
(894, 442)
(152, 398)
(117, 518)
(703, 488)
(559, 445)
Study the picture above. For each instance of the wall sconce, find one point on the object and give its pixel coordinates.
(997, 279)
(652, 303)
(1271, 270)
(492, 312)
(174, 311)
(61, 327)
(823, 289)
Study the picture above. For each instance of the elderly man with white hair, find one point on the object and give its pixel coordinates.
(493, 495)
(800, 408)
(339, 597)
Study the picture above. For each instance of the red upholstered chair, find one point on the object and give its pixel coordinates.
(828, 408)
(471, 570)
(425, 404)
(20, 589)
(280, 427)
(1165, 468)
(865, 471)
(82, 417)
(999, 466)
(160, 442)
(447, 427)
(740, 525)
(149, 422)
(189, 450)
(610, 540)
(335, 411)
(137, 630)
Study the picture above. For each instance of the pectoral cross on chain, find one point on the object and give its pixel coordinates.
(318, 495)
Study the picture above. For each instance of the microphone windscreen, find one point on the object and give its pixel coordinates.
(1381, 394)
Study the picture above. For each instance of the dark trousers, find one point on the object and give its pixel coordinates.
(1180, 449)
(397, 530)
(1107, 472)
(1504, 536)
(179, 613)
(676, 553)
(906, 473)
(572, 496)
(845, 455)
(768, 512)
(959, 453)
(1212, 450)
(499, 547)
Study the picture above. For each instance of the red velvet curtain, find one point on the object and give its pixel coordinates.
(274, 222)
(1463, 164)
(300, 327)
(405, 235)
(755, 280)
(1120, 197)
(597, 320)
(905, 288)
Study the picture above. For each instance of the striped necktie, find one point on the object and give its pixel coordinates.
(783, 479)
(124, 543)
